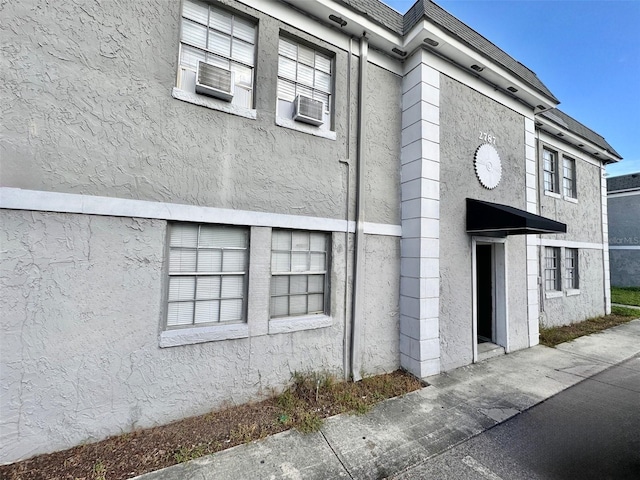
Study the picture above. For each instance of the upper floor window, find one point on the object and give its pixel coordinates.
(207, 274)
(298, 273)
(550, 167)
(552, 269)
(225, 44)
(571, 269)
(304, 73)
(569, 177)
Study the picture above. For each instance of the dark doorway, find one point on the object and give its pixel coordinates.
(484, 283)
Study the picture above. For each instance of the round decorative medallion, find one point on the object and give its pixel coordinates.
(488, 166)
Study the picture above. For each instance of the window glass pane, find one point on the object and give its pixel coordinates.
(184, 235)
(300, 241)
(180, 314)
(316, 283)
(288, 49)
(208, 288)
(279, 306)
(195, 11)
(181, 288)
(286, 68)
(280, 262)
(219, 43)
(306, 56)
(317, 95)
(299, 284)
(305, 75)
(209, 261)
(207, 312)
(218, 61)
(220, 20)
(317, 262)
(319, 242)
(280, 285)
(323, 63)
(242, 51)
(230, 310)
(306, 91)
(189, 56)
(222, 237)
(281, 240)
(286, 90)
(232, 287)
(182, 260)
(316, 303)
(323, 81)
(233, 260)
(299, 261)
(298, 305)
(244, 30)
(194, 34)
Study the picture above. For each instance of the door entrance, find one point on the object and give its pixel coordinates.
(484, 296)
(490, 312)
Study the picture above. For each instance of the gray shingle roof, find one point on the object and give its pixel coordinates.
(623, 182)
(560, 118)
(401, 24)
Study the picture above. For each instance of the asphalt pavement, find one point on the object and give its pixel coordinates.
(460, 424)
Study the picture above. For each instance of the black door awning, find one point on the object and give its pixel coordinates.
(493, 219)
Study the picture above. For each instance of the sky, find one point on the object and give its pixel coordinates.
(587, 52)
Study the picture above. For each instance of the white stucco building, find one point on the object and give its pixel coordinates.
(200, 198)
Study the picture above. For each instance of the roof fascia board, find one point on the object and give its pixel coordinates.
(469, 79)
(415, 37)
(572, 150)
(550, 129)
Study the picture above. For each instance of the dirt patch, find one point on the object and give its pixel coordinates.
(303, 406)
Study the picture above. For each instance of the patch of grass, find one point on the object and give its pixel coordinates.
(556, 335)
(626, 295)
(99, 470)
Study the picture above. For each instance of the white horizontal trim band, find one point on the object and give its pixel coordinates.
(627, 193)
(20, 199)
(568, 244)
(624, 247)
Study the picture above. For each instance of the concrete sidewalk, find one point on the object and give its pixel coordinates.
(403, 432)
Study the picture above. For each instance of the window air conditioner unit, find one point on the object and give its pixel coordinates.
(214, 81)
(308, 110)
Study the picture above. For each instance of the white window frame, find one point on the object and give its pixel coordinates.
(200, 274)
(288, 275)
(187, 93)
(552, 270)
(569, 186)
(550, 170)
(324, 66)
(571, 270)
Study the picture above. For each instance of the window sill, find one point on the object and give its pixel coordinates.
(552, 194)
(553, 294)
(296, 324)
(301, 127)
(572, 292)
(571, 199)
(212, 103)
(193, 335)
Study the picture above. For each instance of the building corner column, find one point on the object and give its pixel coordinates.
(533, 263)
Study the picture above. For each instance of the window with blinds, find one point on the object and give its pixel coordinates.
(303, 71)
(569, 177)
(221, 38)
(207, 274)
(550, 167)
(299, 264)
(552, 269)
(571, 269)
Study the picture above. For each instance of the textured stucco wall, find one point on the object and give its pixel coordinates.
(463, 114)
(82, 304)
(624, 232)
(589, 303)
(88, 109)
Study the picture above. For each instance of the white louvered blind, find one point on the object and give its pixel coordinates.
(299, 271)
(207, 273)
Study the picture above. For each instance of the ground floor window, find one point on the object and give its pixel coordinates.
(299, 264)
(571, 278)
(552, 274)
(207, 274)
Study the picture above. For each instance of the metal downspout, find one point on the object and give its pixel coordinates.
(358, 274)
